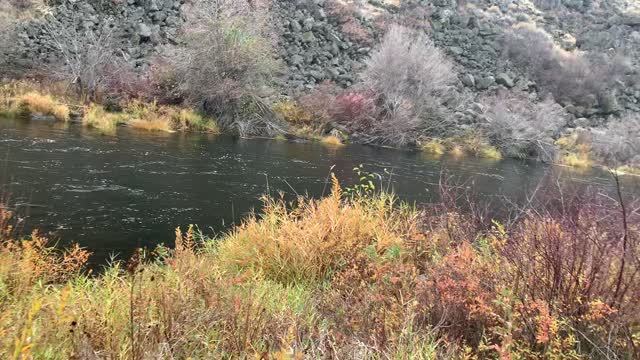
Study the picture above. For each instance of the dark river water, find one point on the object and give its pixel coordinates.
(114, 193)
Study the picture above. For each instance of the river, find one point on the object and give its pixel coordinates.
(114, 193)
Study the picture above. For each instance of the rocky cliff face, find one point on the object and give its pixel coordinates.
(315, 46)
(136, 26)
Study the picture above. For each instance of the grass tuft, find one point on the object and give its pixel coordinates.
(97, 117)
(34, 102)
(331, 140)
(434, 147)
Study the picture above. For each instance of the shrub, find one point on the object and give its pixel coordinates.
(227, 56)
(34, 102)
(89, 58)
(521, 128)
(320, 102)
(576, 257)
(344, 277)
(618, 143)
(292, 113)
(302, 248)
(356, 110)
(408, 76)
(568, 76)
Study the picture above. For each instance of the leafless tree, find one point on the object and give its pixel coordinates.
(89, 57)
(410, 77)
(522, 128)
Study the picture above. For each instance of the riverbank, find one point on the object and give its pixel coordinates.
(34, 101)
(349, 276)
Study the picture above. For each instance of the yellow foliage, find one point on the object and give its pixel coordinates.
(96, 116)
(576, 160)
(168, 118)
(331, 140)
(293, 113)
(34, 102)
(628, 170)
(434, 146)
(159, 123)
(579, 157)
(457, 151)
(306, 243)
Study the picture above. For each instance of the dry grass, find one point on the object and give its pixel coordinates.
(299, 247)
(152, 117)
(37, 103)
(340, 277)
(578, 160)
(97, 117)
(331, 140)
(575, 150)
(157, 124)
(471, 144)
(434, 147)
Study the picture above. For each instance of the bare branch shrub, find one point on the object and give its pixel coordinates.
(568, 76)
(409, 77)
(522, 128)
(226, 59)
(89, 57)
(619, 143)
(320, 103)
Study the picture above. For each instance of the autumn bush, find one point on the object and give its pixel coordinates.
(351, 275)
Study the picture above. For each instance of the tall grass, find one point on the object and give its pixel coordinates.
(34, 102)
(343, 277)
(96, 116)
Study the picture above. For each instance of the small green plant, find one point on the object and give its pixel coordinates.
(365, 185)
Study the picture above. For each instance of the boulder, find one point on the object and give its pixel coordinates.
(505, 80)
(608, 104)
(485, 82)
(568, 42)
(144, 31)
(468, 80)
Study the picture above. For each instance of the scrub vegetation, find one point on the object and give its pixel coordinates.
(356, 274)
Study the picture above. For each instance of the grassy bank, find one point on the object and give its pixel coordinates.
(346, 276)
(28, 100)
